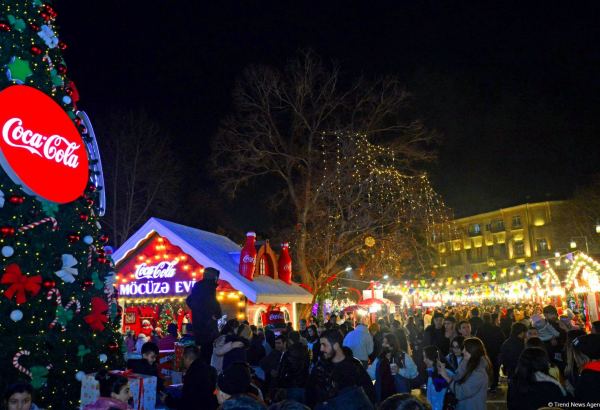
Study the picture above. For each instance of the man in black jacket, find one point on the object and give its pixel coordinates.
(293, 368)
(206, 310)
(320, 386)
(199, 382)
(492, 338)
(512, 347)
(434, 334)
(475, 321)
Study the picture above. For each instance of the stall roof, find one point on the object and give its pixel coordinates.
(219, 252)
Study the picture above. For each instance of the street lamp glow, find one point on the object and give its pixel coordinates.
(386, 277)
(348, 268)
(557, 254)
(598, 227)
(573, 244)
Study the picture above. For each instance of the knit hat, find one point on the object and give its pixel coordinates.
(211, 274)
(589, 345)
(235, 379)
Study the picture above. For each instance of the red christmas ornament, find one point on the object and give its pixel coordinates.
(45, 16)
(101, 260)
(84, 217)
(72, 238)
(90, 201)
(4, 27)
(16, 199)
(61, 68)
(104, 238)
(48, 9)
(34, 27)
(113, 346)
(78, 121)
(62, 45)
(20, 285)
(87, 284)
(49, 284)
(93, 188)
(35, 50)
(7, 231)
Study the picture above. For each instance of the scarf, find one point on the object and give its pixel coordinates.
(543, 377)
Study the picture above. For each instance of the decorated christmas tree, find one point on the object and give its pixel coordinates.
(58, 309)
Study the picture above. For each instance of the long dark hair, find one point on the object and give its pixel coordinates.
(532, 359)
(396, 349)
(475, 347)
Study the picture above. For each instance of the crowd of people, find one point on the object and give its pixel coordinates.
(446, 358)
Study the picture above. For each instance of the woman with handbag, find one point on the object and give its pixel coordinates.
(392, 370)
(470, 383)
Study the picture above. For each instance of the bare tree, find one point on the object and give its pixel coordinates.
(141, 173)
(346, 160)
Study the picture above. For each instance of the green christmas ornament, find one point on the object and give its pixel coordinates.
(17, 24)
(82, 351)
(63, 316)
(49, 208)
(57, 80)
(39, 376)
(98, 284)
(18, 70)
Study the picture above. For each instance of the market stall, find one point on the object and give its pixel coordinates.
(159, 264)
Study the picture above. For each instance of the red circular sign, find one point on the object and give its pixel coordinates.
(40, 147)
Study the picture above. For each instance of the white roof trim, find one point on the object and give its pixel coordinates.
(262, 289)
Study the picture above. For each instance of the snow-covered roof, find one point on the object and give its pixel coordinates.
(219, 252)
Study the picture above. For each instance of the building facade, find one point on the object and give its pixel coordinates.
(505, 237)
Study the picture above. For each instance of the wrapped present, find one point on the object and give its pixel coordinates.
(166, 360)
(90, 390)
(143, 390)
(178, 355)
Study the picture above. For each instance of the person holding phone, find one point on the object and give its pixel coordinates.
(436, 384)
(470, 383)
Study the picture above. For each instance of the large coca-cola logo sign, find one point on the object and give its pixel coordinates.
(40, 147)
(162, 270)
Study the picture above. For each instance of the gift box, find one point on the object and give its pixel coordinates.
(166, 359)
(142, 387)
(90, 390)
(178, 355)
(143, 390)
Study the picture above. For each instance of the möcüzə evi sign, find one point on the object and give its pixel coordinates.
(157, 269)
(40, 146)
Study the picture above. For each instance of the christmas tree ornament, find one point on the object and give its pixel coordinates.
(38, 374)
(48, 284)
(7, 231)
(49, 208)
(18, 70)
(47, 34)
(16, 199)
(61, 68)
(73, 237)
(84, 217)
(67, 273)
(103, 358)
(97, 318)
(16, 315)
(113, 346)
(82, 351)
(17, 24)
(4, 27)
(66, 99)
(79, 375)
(62, 45)
(7, 251)
(35, 50)
(1, 199)
(54, 292)
(40, 222)
(64, 315)
(88, 240)
(20, 285)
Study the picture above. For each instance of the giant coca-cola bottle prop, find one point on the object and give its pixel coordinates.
(248, 256)
(285, 264)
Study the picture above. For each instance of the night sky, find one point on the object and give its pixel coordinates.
(513, 89)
